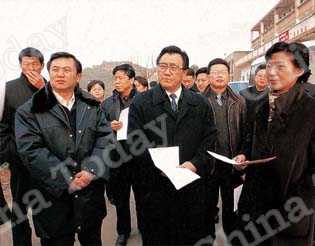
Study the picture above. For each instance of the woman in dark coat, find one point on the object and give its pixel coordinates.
(278, 198)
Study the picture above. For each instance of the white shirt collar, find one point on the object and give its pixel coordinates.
(68, 104)
(177, 93)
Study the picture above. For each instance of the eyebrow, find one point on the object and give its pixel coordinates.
(276, 62)
(219, 70)
(61, 67)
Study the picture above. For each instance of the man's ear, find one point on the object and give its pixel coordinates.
(79, 75)
(299, 71)
(42, 67)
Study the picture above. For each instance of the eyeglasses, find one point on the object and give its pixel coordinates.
(276, 66)
(201, 80)
(172, 67)
(219, 72)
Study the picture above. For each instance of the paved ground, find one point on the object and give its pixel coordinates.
(108, 229)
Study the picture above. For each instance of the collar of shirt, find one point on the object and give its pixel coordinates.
(223, 95)
(177, 93)
(68, 104)
(125, 98)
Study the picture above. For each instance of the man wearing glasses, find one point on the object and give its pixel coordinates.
(121, 178)
(174, 217)
(229, 113)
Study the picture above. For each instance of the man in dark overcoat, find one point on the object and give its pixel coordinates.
(170, 115)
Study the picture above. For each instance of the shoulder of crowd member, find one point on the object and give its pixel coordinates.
(26, 108)
(107, 103)
(244, 92)
(310, 99)
(234, 95)
(12, 84)
(199, 99)
(146, 96)
(309, 88)
(194, 88)
(87, 97)
(196, 95)
(207, 91)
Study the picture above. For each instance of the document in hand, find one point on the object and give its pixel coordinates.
(233, 162)
(167, 160)
(123, 117)
(237, 195)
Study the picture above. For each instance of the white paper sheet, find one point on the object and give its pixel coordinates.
(233, 162)
(237, 195)
(222, 158)
(167, 160)
(123, 117)
(2, 96)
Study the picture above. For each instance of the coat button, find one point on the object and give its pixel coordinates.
(79, 131)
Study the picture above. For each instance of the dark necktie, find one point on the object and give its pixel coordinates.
(173, 102)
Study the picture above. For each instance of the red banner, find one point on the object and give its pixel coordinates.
(284, 36)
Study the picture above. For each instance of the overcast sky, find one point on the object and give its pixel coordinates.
(136, 30)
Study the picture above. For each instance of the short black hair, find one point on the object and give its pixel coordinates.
(31, 52)
(127, 68)
(218, 61)
(260, 67)
(300, 54)
(201, 70)
(174, 50)
(153, 83)
(95, 82)
(190, 72)
(58, 55)
(143, 81)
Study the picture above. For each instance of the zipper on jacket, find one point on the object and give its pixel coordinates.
(64, 111)
(230, 137)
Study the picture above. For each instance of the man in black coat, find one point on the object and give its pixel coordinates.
(258, 91)
(278, 198)
(61, 134)
(3, 204)
(122, 177)
(17, 92)
(309, 88)
(171, 115)
(189, 80)
(229, 113)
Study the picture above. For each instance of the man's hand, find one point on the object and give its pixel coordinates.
(80, 181)
(75, 185)
(35, 79)
(241, 162)
(85, 177)
(116, 125)
(188, 165)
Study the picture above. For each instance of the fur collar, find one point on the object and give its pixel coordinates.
(44, 99)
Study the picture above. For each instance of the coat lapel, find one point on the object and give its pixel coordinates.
(60, 114)
(182, 106)
(286, 105)
(160, 98)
